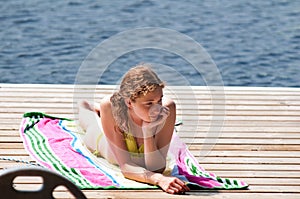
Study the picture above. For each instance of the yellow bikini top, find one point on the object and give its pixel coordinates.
(132, 145)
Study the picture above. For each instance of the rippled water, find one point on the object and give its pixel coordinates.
(253, 43)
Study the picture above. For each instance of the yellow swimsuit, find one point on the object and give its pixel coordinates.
(132, 145)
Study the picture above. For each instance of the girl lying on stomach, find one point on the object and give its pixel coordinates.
(134, 129)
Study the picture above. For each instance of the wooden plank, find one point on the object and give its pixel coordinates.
(252, 181)
(196, 91)
(9, 128)
(251, 167)
(213, 141)
(202, 118)
(271, 182)
(202, 108)
(219, 154)
(192, 194)
(13, 132)
(10, 146)
(246, 147)
(259, 140)
(110, 87)
(15, 119)
(11, 152)
(254, 189)
(249, 160)
(241, 141)
(157, 194)
(188, 105)
(10, 140)
(183, 108)
(269, 100)
(249, 154)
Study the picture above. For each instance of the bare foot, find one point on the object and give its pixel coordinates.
(87, 105)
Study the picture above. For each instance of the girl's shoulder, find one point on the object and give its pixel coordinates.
(168, 102)
(105, 103)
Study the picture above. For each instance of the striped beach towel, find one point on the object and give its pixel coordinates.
(56, 144)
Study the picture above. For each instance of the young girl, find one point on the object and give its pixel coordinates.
(133, 128)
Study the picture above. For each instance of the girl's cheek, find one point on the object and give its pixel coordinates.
(146, 115)
(143, 113)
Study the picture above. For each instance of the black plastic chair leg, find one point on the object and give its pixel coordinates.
(51, 180)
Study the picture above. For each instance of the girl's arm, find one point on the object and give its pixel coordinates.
(130, 169)
(116, 141)
(157, 144)
(169, 184)
(114, 137)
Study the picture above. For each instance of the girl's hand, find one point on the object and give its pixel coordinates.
(158, 115)
(173, 185)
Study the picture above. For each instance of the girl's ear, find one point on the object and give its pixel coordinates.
(128, 103)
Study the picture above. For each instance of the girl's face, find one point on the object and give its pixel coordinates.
(146, 108)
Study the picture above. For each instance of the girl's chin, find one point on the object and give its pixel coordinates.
(147, 121)
(151, 119)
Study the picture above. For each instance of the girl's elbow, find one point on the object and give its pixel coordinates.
(161, 170)
(158, 168)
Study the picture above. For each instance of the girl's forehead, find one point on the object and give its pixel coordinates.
(152, 96)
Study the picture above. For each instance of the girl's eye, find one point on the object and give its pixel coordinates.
(159, 102)
(149, 104)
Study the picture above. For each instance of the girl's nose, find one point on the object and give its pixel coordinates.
(154, 111)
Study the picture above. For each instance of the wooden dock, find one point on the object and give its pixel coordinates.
(259, 141)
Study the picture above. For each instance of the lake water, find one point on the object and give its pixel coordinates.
(252, 43)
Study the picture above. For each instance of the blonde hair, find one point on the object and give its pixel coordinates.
(137, 82)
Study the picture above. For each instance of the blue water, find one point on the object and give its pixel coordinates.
(253, 43)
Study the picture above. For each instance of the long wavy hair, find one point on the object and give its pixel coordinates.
(137, 82)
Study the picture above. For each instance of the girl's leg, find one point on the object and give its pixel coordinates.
(90, 123)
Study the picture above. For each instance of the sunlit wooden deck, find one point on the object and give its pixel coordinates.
(259, 142)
